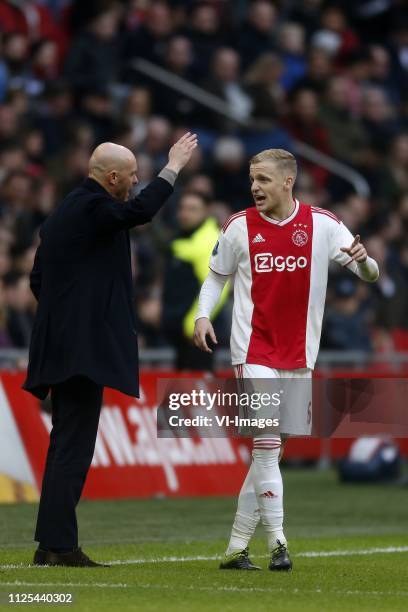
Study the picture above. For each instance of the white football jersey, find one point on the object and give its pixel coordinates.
(280, 271)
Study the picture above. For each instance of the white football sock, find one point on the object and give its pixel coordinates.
(247, 516)
(267, 482)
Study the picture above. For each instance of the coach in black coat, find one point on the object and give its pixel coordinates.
(82, 278)
(84, 335)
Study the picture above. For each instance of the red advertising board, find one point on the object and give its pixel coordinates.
(129, 459)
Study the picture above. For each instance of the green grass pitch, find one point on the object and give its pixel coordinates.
(165, 553)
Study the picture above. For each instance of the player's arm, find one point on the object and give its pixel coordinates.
(209, 296)
(367, 267)
(349, 252)
(223, 263)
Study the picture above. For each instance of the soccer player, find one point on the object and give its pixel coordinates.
(278, 253)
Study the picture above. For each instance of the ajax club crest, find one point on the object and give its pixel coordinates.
(299, 236)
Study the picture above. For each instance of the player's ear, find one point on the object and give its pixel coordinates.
(288, 183)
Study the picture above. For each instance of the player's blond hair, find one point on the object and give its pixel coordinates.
(284, 160)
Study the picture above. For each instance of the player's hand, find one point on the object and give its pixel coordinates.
(356, 250)
(180, 153)
(203, 327)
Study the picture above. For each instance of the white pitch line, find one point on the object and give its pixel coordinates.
(311, 553)
(167, 560)
(346, 553)
(307, 554)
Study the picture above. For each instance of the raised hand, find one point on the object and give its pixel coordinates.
(203, 327)
(180, 153)
(356, 250)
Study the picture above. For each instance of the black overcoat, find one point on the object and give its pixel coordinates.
(85, 322)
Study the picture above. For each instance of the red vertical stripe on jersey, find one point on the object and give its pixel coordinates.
(280, 266)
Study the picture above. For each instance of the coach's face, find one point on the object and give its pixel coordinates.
(269, 185)
(124, 178)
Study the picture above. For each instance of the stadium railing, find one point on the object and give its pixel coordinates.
(219, 106)
(15, 358)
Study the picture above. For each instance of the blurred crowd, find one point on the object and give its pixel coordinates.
(333, 75)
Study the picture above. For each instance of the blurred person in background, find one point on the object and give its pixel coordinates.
(334, 19)
(203, 184)
(148, 40)
(97, 111)
(319, 68)
(16, 48)
(229, 173)
(378, 118)
(292, 47)
(225, 82)
(45, 66)
(9, 121)
(256, 36)
(178, 61)
(304, 123)
(390, 294)
(137, 107)
(54, 114)
(18, 207)
(346, 320)
(185, 270)
(381, 73)
(12, 158)
(394, 175)
(306, 189)
(398, 47)
(360, 211)
(20, 308)
(262, 82)
(93, 58)
(158, 137)
(69, 167)
(347, 137)
(204, 31)
(356, 70)
(308, 13)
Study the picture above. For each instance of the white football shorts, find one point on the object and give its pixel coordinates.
(295, 409)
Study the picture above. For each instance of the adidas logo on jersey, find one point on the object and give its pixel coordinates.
(268, 494)
(258, 238)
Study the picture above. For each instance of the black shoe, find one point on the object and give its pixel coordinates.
(280, 560)
(74, 558)
(239, 561)
(40, 557)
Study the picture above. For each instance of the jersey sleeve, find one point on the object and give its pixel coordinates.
(224, 258)
(341, 236)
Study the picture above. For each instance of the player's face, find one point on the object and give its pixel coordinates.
(126, 179)
(268, 186)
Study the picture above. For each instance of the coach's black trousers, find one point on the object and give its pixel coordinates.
(76, 405)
